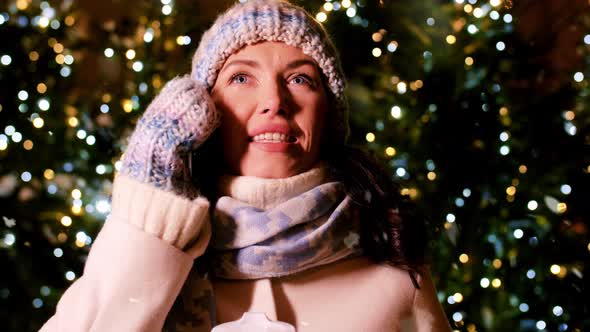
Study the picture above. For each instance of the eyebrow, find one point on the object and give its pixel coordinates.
(250, 63)
(255, 64)
(302, 62)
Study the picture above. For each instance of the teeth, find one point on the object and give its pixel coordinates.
(272, 137)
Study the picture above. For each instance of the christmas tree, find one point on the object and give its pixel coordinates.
(476, 107)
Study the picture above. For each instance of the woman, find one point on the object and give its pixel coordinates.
(302, 228)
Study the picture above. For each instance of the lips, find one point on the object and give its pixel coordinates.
(273, 134)
(273, 138)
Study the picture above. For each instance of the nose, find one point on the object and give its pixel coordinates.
(274, 99)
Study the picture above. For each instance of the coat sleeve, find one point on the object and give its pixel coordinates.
(132, 276)
(427, 313)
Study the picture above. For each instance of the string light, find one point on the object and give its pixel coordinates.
(464, 258)
(130, 54)
(5, 59)
(109, 52)
(66, 221)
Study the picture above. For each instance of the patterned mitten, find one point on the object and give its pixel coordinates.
(177, 121)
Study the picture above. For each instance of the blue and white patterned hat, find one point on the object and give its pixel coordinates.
(273, 20)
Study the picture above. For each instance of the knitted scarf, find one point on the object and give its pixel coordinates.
(266, 228)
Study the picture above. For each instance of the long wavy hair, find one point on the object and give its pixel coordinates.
(393, 231)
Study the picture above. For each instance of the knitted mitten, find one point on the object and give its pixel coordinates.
(177, 121)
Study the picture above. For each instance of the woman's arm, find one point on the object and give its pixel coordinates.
(132, 276)
(159, 222)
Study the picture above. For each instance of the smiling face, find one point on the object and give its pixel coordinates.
(273, 107)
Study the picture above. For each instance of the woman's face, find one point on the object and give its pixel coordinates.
(273, 107)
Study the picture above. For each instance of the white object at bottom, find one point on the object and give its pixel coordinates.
(254, 322)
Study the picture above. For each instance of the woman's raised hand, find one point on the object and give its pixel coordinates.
(179, 119)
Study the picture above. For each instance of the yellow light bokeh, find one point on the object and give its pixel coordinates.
(377, 37)
(346, 3)
(328, 6)
(431, 176)
(59, 59)
(130, 54)
(561, 207)
(22, 4)
(495, 3)
(451, 39)
(370, 137)
(503, 111)
(458, 297)
(468, 8)
(76, 194)
(34, 56)
(62, 237)
(478, 12)
(496, 283)
(80, 244)
(28, 144)
(156, 81)
(555, 269)
(522, 169)
(38, 122)
(390, 151)
(70, 20)
(77, 210)
(58, 48)
(497, 263)
(463, 258)
(73, 121)
(41, 88)
(66, 221)
(376, 52)
(321, 16)
(511, 190)
(419, 84)
(469, 61)
(569, 115)
(106, 98)
(49, 174)
(127, 105)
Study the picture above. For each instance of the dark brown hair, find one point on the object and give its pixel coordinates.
(392, 229)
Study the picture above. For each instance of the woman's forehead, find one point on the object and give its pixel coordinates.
(270, 53)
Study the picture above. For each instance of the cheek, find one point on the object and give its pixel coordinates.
(313, 124)
(230, 112)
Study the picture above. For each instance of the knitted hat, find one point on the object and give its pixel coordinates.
(273, 20)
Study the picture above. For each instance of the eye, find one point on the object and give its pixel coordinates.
(239, 78)
(302, 79)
